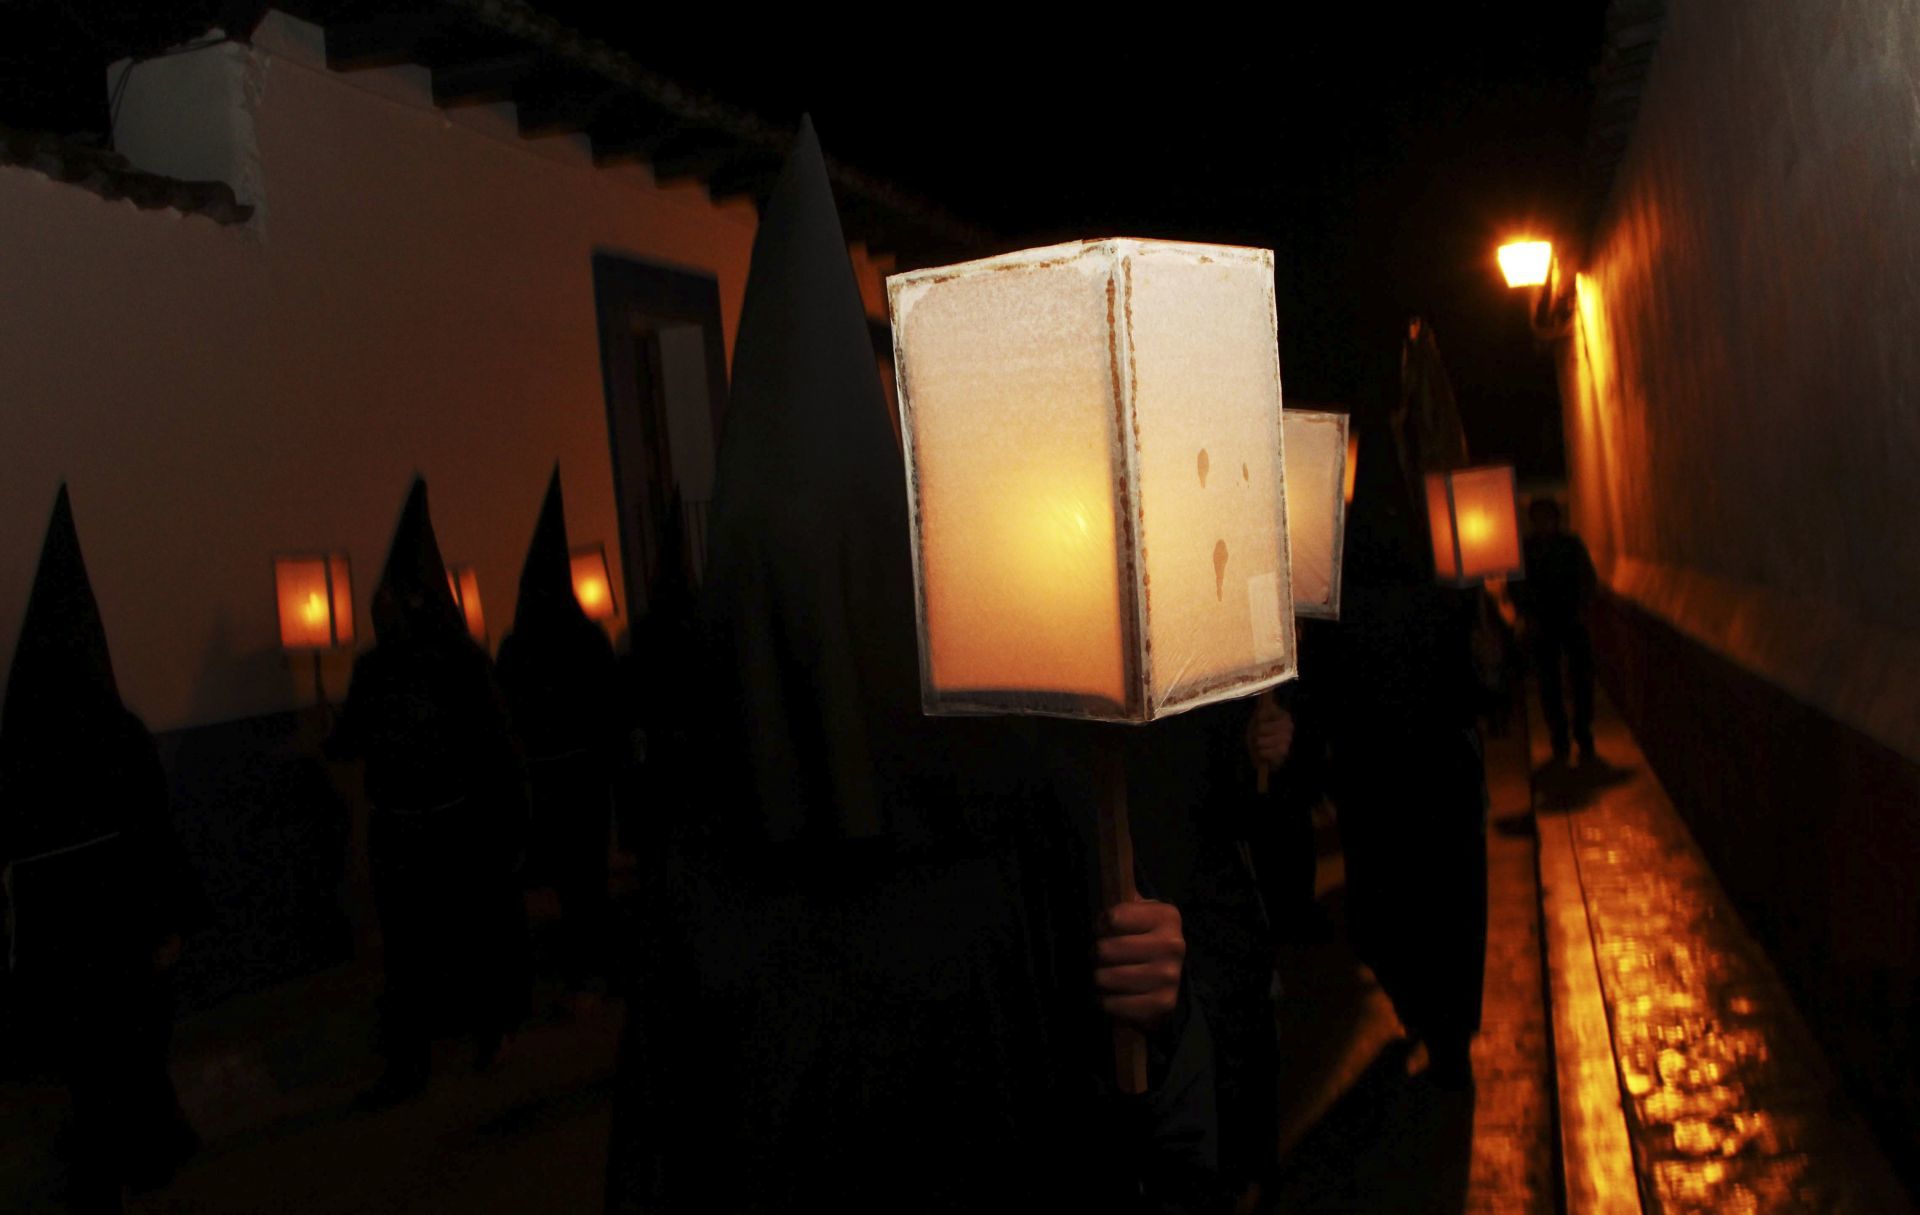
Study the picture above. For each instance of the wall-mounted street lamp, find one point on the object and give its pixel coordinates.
(1097, 493)
(1530, 263)
(314, 593)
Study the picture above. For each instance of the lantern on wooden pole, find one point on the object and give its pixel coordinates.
(1096, 486)
(314, 596)
(1475, 525)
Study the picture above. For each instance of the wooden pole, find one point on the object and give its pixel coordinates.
(1116, 887)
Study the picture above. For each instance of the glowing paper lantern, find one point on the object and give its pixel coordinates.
(315, 597)
(593, 582)
(465, 584)
(1317, 454)
(1095, 476)
(1526, 263)
(1475, 526)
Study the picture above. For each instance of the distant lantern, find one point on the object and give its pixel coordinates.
(1526, 263)
(464, 582)
(1475, 525)
(1095, 479)
(1317, 463)
(315, 597)
(593, 582)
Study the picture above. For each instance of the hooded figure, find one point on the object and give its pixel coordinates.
(557, 668)
(1407, 771)
(99, 892)
(867, 971)
(444, 775)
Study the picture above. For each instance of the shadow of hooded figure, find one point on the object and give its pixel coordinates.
(865, 973)
(557, 668)
(446, 833)
(98, 888)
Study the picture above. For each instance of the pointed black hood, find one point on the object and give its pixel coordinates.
(62, 674)
(413, 600)
(546, 580)
(808, 599)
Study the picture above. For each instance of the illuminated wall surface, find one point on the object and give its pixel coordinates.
(1094, 436)
(1741, 416)
(1316, 454)
(415, 294)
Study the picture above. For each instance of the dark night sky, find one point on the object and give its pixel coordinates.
(1379, 153)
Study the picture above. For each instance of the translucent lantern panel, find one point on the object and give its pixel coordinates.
(1095, 472)
(1205, 400)
(306, 602)
(342, 599)
(1316, 516)
(592, 583)
(1476, 530)
(465, 582)
(1007, 411)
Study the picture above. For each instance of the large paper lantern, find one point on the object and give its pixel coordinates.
(1475, 525)
(1096, 480)
(1317, 458)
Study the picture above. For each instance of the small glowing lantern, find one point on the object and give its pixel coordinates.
(315, 596)
(1475, 526)
(593, 582)
(1526, 263)
(1095, 478)
(465, 585)
(1317, 454)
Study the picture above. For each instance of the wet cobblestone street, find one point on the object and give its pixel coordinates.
(1730, 1105)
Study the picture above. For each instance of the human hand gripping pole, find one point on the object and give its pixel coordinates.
(1139, 948)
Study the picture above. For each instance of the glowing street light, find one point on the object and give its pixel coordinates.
(1526, 263)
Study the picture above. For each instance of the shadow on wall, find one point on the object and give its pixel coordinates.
(265, 826)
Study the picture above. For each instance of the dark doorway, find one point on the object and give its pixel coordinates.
(663, 363)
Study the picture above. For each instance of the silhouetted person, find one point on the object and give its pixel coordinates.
(444, 841)
(1407, 770)
(100, 894)
(557, 668)
(1288, 729)
(875, 973)
(1554, 597)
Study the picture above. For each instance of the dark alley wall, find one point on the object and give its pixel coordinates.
(1740, 408)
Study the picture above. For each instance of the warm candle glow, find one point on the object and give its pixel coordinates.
(1316, 453)
(1093, 441)
(1475, 525)
(465, 584)
(1526, 262)
(315, 602)
(593, 583)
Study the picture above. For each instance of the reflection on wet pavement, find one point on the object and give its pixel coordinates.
(1730, 1105)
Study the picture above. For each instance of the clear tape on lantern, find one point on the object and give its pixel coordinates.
(1096, 476)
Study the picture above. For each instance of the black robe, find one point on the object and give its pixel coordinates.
(865, 973)
(444, 775)
(557, 669)
(1407, 771)
(95, 878)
